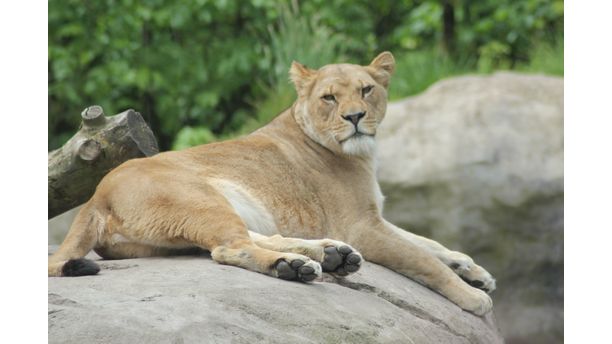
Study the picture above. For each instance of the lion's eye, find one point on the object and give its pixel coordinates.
(329, 98)
(366, 90)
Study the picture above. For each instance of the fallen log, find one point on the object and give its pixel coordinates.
(101, 144)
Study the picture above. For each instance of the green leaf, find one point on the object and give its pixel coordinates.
(192, 136)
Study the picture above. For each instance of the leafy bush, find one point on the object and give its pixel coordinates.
(545, 57)
(179, 63)
(415, 71)
(190, 136)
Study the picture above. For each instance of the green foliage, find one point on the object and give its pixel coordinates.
(178, 63)
(545, 58)
(209, 69)
(303, 39)
(190, 136)
(423, 23)
(503, 31)
(415, 71)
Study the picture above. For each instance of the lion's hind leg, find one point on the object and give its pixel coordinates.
(68, 259)
(335, 256)
(127, 250)
(209, 222)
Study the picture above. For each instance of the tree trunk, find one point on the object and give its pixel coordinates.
(101, 144)
(448, 21)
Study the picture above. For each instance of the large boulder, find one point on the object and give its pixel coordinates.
(192, 299)
(476, 162)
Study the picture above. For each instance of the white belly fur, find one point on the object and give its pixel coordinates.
(252, 212)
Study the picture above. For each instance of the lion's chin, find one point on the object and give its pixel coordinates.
(360, 145)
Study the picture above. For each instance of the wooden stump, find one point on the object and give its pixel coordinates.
(101, 144)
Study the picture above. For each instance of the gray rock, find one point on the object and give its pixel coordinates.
(476, 162)
(191, 299)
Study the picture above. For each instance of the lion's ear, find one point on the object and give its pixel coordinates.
(301, 76)
(382, 67)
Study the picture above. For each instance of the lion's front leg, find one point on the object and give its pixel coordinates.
(462, 264)
(382, 244)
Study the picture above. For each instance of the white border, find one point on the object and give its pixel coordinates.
(588, 172)
(588, 132)
(23, 158)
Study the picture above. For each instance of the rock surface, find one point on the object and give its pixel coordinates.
(192, 299)
(476, 162)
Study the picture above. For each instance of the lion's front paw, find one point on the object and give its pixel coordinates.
(341, 259)
(471, 273)
(478, 303)
(298, 269)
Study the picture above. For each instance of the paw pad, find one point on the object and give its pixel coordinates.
(486, 287)
(341, 260)
(297, 270)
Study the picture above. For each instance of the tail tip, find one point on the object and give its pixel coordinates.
(80, 267)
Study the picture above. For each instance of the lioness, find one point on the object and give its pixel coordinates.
(265, 202)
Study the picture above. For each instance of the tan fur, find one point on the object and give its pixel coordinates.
(305, 172)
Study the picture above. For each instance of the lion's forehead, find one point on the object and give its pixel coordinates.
(343, 74)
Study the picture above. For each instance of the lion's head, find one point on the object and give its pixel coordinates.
(341, 105)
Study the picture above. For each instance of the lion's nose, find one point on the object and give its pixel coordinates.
(354, 117)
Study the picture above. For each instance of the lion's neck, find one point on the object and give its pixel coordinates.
(299, 113)
(286, 128)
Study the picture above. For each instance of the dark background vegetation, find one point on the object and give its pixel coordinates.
(203, 70)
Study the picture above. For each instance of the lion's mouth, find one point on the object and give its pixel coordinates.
(355, 135)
